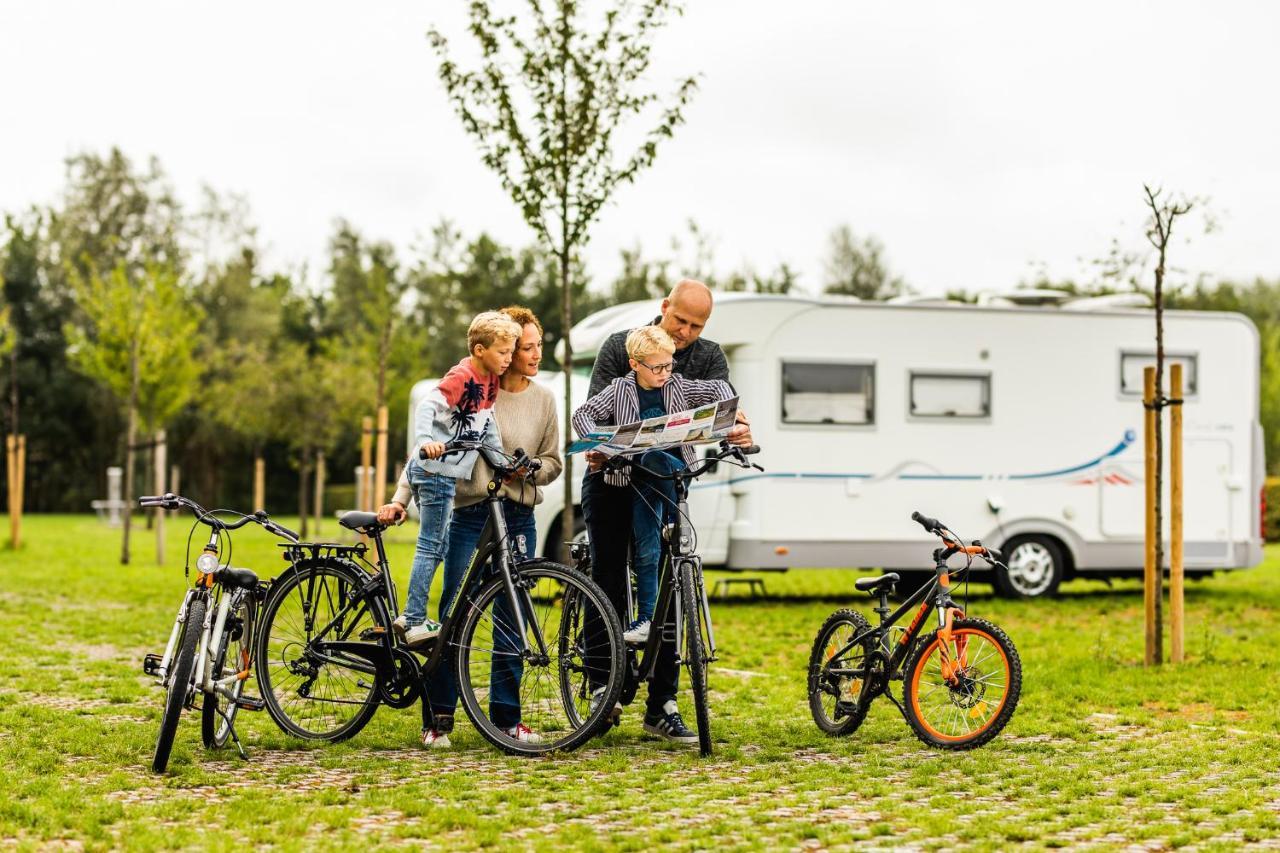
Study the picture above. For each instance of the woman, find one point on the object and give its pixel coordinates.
(526, 414)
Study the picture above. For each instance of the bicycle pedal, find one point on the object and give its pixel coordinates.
(250, 703)
(373, 633)
(151, 664)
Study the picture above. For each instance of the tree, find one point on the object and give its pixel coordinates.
(136, 338)
(1159, 231)
(856, 267)
(545, 107)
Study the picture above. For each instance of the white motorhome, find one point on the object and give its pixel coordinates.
(1019, 426)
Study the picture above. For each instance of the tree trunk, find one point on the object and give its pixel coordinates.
(159, 451)
(317, 504)
(1159, 403)
(131, 434)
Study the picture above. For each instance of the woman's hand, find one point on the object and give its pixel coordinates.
(433, 449)
(392, 513)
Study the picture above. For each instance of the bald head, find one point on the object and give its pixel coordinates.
(686, 311)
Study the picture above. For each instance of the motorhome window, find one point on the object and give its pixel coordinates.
(943, 395)
(828, 393)
(1132, 364)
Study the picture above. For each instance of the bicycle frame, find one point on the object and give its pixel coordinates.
(494, 542)
(933, 596)
(678, 553)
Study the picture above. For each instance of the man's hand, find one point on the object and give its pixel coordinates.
(595, 460)
(392, 513)
(434, 449)
(740, 435)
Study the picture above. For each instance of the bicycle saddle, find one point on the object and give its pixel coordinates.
(358, 521)
(243, 578)
(872, 584)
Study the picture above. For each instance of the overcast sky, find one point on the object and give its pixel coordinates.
(975, 140)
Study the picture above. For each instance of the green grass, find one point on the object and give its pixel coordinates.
(1101, 750)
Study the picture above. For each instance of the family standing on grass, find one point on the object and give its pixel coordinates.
(489, 396)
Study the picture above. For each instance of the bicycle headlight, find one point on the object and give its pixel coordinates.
(207, 563)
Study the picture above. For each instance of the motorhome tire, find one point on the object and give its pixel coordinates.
(1035, 567)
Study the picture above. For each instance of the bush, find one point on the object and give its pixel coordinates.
(1272, 525)
(340, 496)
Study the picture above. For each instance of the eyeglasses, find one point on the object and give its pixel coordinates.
(658, 369)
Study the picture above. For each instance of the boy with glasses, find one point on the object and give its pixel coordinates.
(648, 390)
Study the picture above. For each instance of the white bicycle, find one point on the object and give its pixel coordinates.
(210, 650)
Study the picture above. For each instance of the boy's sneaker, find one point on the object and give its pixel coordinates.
(613, 718)
(669, 726)
(524, 734)
(435, 739)
(637, 633)
(419, 634)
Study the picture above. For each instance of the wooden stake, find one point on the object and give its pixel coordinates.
(11, 478)
(380, 466)
(259, 482)
(366, 452)
(161, 460)
(1150, 571)
(1176, 611)
(318, 504)
(16, 459)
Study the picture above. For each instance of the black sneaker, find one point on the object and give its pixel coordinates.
(668, 725)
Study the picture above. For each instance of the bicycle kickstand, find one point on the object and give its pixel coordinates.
(234, 737)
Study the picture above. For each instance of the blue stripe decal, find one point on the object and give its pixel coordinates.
(1120, 447)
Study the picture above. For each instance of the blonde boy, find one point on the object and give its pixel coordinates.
(649, 390)
(460, 407)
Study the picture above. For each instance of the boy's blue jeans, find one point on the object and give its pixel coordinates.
(507, 668)
(651, 505)
(435, 505)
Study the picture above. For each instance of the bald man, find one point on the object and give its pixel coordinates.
(607, 507)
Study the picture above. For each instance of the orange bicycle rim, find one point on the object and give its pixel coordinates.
(961, 637)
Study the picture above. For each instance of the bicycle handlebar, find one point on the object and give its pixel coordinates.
(171, 501)
(515, 461)
(931, 525)
(693, 471)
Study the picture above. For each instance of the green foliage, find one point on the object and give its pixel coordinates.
(856, 267)
(145, 324)
(548, 99)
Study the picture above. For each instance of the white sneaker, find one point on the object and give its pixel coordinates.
(399, 626)
(637, 633)
(524, 734)
(435, 739)
(419, 634)
(613, 718)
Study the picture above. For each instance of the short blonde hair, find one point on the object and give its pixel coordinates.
(647, 340)
(490, 327)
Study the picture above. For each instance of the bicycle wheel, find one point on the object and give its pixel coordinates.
(694, 654)
(179, 680)
(501, 678)
(837, 697)
(959, 695)
(318, 697)
(218, 713)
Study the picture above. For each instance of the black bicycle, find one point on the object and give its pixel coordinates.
(328, 655)
(681, 614)
(960, 683)
(209, 653)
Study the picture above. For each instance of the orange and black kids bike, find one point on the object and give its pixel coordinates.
(960, 683)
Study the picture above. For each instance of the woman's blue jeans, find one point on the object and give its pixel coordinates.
(507, 668)
(435, 505)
